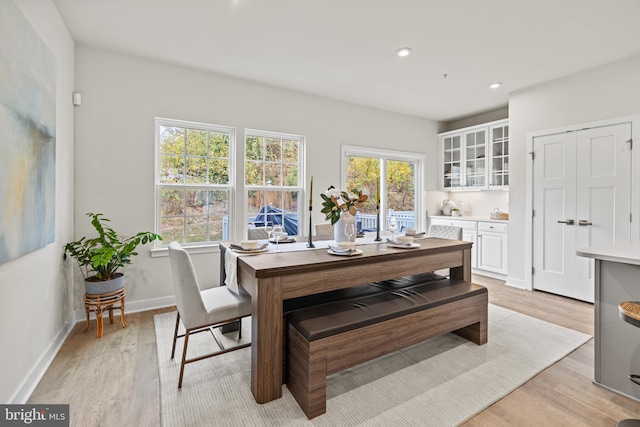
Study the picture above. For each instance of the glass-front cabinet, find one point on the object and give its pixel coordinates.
(499, 156)
(475, 158)
(452, 155)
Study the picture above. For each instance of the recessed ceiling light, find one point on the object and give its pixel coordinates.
(495, 85)
(403, 51)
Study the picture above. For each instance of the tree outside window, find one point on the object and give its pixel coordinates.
(193, 181)
(272, 181)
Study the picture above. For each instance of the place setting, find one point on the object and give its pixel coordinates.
(402, 241)
(249, 247)
(347, 248)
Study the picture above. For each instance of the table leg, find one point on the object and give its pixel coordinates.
(266, 340)
(464, 271)
(111, 314)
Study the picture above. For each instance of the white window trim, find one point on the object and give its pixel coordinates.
(302, 178)
(419, 158)
(162, 245)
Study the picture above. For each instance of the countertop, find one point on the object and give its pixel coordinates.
(469, 218)
(623, 251)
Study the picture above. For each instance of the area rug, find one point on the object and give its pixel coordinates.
(439, 382)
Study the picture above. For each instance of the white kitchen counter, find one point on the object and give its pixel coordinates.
(624, 251)
(470, 218)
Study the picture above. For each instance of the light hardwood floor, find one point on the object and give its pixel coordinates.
(113, 381)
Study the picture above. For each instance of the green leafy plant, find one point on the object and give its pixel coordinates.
(334, 202)
(101, 257)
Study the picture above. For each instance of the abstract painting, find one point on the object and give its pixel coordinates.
(27, 137)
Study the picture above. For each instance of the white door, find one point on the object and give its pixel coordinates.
(581, 197)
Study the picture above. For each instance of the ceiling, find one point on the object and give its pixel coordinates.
(345, 49)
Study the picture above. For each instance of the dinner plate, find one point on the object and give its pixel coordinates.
(250, 251)
(417, 236)
(285, 240)
(413, 246)
(352, 253)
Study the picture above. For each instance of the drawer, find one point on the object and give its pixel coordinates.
(465, 225)
(494, 227)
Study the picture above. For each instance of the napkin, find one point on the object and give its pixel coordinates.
(240, 248)
(401, 245)
(231, 271)
(339, 250)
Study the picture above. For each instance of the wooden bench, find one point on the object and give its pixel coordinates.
(328, 338)
(370, 289)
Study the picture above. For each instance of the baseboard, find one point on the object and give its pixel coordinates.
(30, 382)
(488, 274)
(517, 283)
(135, 306)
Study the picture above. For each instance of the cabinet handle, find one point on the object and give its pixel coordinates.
(583, 222)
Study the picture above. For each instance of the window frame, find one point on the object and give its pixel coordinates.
(230, 186)
(420, 160)
(302, 179)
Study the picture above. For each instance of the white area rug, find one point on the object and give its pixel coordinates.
(439, 382)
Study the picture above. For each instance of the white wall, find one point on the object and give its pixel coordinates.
(115, 143)
(35, 297)
(605, 92)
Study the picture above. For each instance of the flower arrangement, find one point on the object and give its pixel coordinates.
(334, 202)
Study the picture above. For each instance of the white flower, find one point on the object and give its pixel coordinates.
(333, 192)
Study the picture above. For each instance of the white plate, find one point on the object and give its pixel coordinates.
(283, 240)
(352, 253)
(417, 236)
(250, 251)
(413, 246)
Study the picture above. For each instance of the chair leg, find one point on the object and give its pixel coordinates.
(184, 358)
(175, 335)
(239, 328)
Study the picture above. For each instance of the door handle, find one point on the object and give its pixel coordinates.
(583, 222)
(566, 221)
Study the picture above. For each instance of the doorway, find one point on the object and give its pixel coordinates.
(581, 197)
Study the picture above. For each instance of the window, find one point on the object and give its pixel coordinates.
(194, 179)
(400, 176)
(273, 165)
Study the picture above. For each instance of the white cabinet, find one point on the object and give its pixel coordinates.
(475, 158)
(492, 247)
(499, 149)
(489, 238)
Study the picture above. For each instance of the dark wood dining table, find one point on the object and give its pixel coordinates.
(272, 277)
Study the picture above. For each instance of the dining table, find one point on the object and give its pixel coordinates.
(271, 277)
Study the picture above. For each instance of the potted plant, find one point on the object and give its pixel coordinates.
(100, 258)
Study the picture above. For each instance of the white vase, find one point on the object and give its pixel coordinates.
(338, 227)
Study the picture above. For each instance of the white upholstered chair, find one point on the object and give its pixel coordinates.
(257, 234)
(445, 232)
(202, 310)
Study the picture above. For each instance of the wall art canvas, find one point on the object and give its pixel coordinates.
(27, 137)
